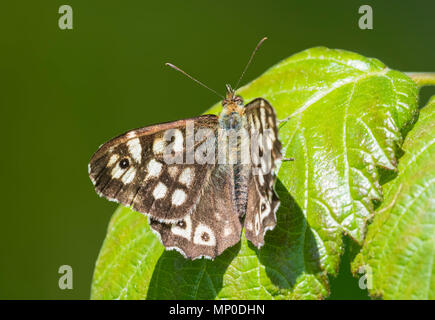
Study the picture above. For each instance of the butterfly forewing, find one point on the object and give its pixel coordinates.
(132, 169)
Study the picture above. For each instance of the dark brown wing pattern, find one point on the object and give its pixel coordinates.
(132, 169)
(262, 200)
(212, 227)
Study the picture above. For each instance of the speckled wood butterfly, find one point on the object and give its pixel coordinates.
(198, 180)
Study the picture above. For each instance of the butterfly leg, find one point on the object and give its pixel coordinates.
(283, 120)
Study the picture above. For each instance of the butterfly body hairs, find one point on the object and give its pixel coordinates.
(200, 179)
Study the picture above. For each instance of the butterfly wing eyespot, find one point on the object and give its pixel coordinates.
(124, 163)
(181, 224)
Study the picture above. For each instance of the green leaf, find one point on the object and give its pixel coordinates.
(348, 117)
(399, 251)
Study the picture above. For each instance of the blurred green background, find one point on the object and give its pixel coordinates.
(64, 92)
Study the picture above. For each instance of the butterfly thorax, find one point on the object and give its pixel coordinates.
(232, 120)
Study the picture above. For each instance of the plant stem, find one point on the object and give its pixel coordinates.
(422, 78)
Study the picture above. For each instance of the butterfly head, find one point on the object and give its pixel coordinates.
(233, 103)
(233, 109)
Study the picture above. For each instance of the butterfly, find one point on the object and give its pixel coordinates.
(189, 178)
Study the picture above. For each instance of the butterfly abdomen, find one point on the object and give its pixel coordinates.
(241, 178)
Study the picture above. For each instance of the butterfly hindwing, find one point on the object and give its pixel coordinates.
(211, 227)
(261, 214)
(132, 169)
(262, 200)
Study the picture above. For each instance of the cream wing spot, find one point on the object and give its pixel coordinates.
(178, 143)
(272, 134)
(158, 146)
(154, 168)
(160, 191)
(260, 178)
(186, 177)
(260, 141)
(178, 197)
(135, 149)
(175, 140)
(112, 160)
(263, 115)
(257, 122)
(90, 175)
(255, 155)
(257, 224)
(218, 216)
(269, 140)
(228, 230)
(264, 209)
(129, 175)
(183, 228)
(249, 226)
(266, 164)
(204, 236)
(270, 120)
(117, 172)
(251, 121)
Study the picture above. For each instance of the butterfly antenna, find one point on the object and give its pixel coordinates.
(190, 77)
(250, 59)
